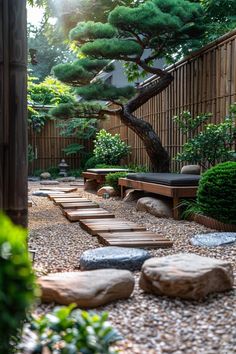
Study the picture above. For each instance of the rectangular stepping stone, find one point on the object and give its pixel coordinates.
(65, 195)
(134, 239)
(95, 227)
(58, 201)
(97, 213)
(79, 205)
(59, 189)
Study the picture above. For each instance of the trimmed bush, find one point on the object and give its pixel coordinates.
(110, 149)
(91, 162)
(112, 179)
(216, 196)
(17, 287)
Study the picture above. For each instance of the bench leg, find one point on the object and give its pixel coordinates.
(176, 208)
(122, 192)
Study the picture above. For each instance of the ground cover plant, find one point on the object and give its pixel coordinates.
(69, 331)
(17, 288)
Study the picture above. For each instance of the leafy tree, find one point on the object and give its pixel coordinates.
(212, 145)
(164, 28)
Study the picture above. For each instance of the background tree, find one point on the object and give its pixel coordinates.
(162, 28)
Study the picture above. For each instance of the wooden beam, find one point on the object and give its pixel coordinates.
(13, 110)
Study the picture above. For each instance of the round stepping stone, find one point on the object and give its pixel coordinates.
(113, 257)
(214, 239)
(87, 289)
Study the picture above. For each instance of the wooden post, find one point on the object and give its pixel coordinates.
(13, 110)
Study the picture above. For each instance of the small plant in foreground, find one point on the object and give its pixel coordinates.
(17, 289)
(112, 179)
(69, 331)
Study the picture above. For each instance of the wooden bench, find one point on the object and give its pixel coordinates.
(174, 192)
(99, 175)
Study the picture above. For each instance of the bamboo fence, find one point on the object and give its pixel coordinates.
(203, 82)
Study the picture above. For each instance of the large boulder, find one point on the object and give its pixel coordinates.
(113, 257)
(87, 289)
(188, 276)
(157, 207)
(110, 191)
(191, 170)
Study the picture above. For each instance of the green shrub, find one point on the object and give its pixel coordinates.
(54, 171)
(216, 196)
(17, 288)
(75, 173)
(71, 332)
(104, 165)
(110, 149)
(112, 179)
(91, 162)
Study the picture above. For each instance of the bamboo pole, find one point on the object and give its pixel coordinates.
(13, 110)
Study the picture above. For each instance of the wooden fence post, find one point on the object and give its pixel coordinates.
(13, 110)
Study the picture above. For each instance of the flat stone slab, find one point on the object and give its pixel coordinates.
(87, 289)
(186, 275)
(113, 257)
(214, 239)
(49, 183)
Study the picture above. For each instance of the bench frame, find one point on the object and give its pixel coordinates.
(174, 192)
(98, 177)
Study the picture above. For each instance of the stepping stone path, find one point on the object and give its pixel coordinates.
(131, 239)
(87, 289)
(96, 213)
(187, 276)
(109, 230)
(59, 189)
(113, 257)
(214, 239)
(49, 183)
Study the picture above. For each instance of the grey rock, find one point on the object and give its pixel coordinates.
(87, 289)
(49, 183)
(114, 257)
(191, 170)
(214, 239)
(45, 175)
(187, 276)
(157, 207)
(67, 179)
(33, 179)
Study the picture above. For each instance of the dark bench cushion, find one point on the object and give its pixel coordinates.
(104, 171)
(168, 179)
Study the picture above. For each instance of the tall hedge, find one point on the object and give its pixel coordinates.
(216, 194)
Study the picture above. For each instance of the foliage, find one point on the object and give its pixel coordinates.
(49, 92)
(217, 193)
(91, 162)
(47, 52)
(65, 331)
(17, 289)
(104, 165)
(112, 179)
(110, 149)
(189, 124)
(76, 172)
(212, 145)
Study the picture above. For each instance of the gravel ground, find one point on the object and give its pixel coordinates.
(149, 324)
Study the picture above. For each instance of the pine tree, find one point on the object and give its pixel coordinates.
(164, 28)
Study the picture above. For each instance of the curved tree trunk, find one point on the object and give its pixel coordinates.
(159, 157)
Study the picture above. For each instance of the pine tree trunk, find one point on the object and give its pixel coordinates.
(159, 157)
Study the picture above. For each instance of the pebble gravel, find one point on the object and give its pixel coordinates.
(149, 324)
